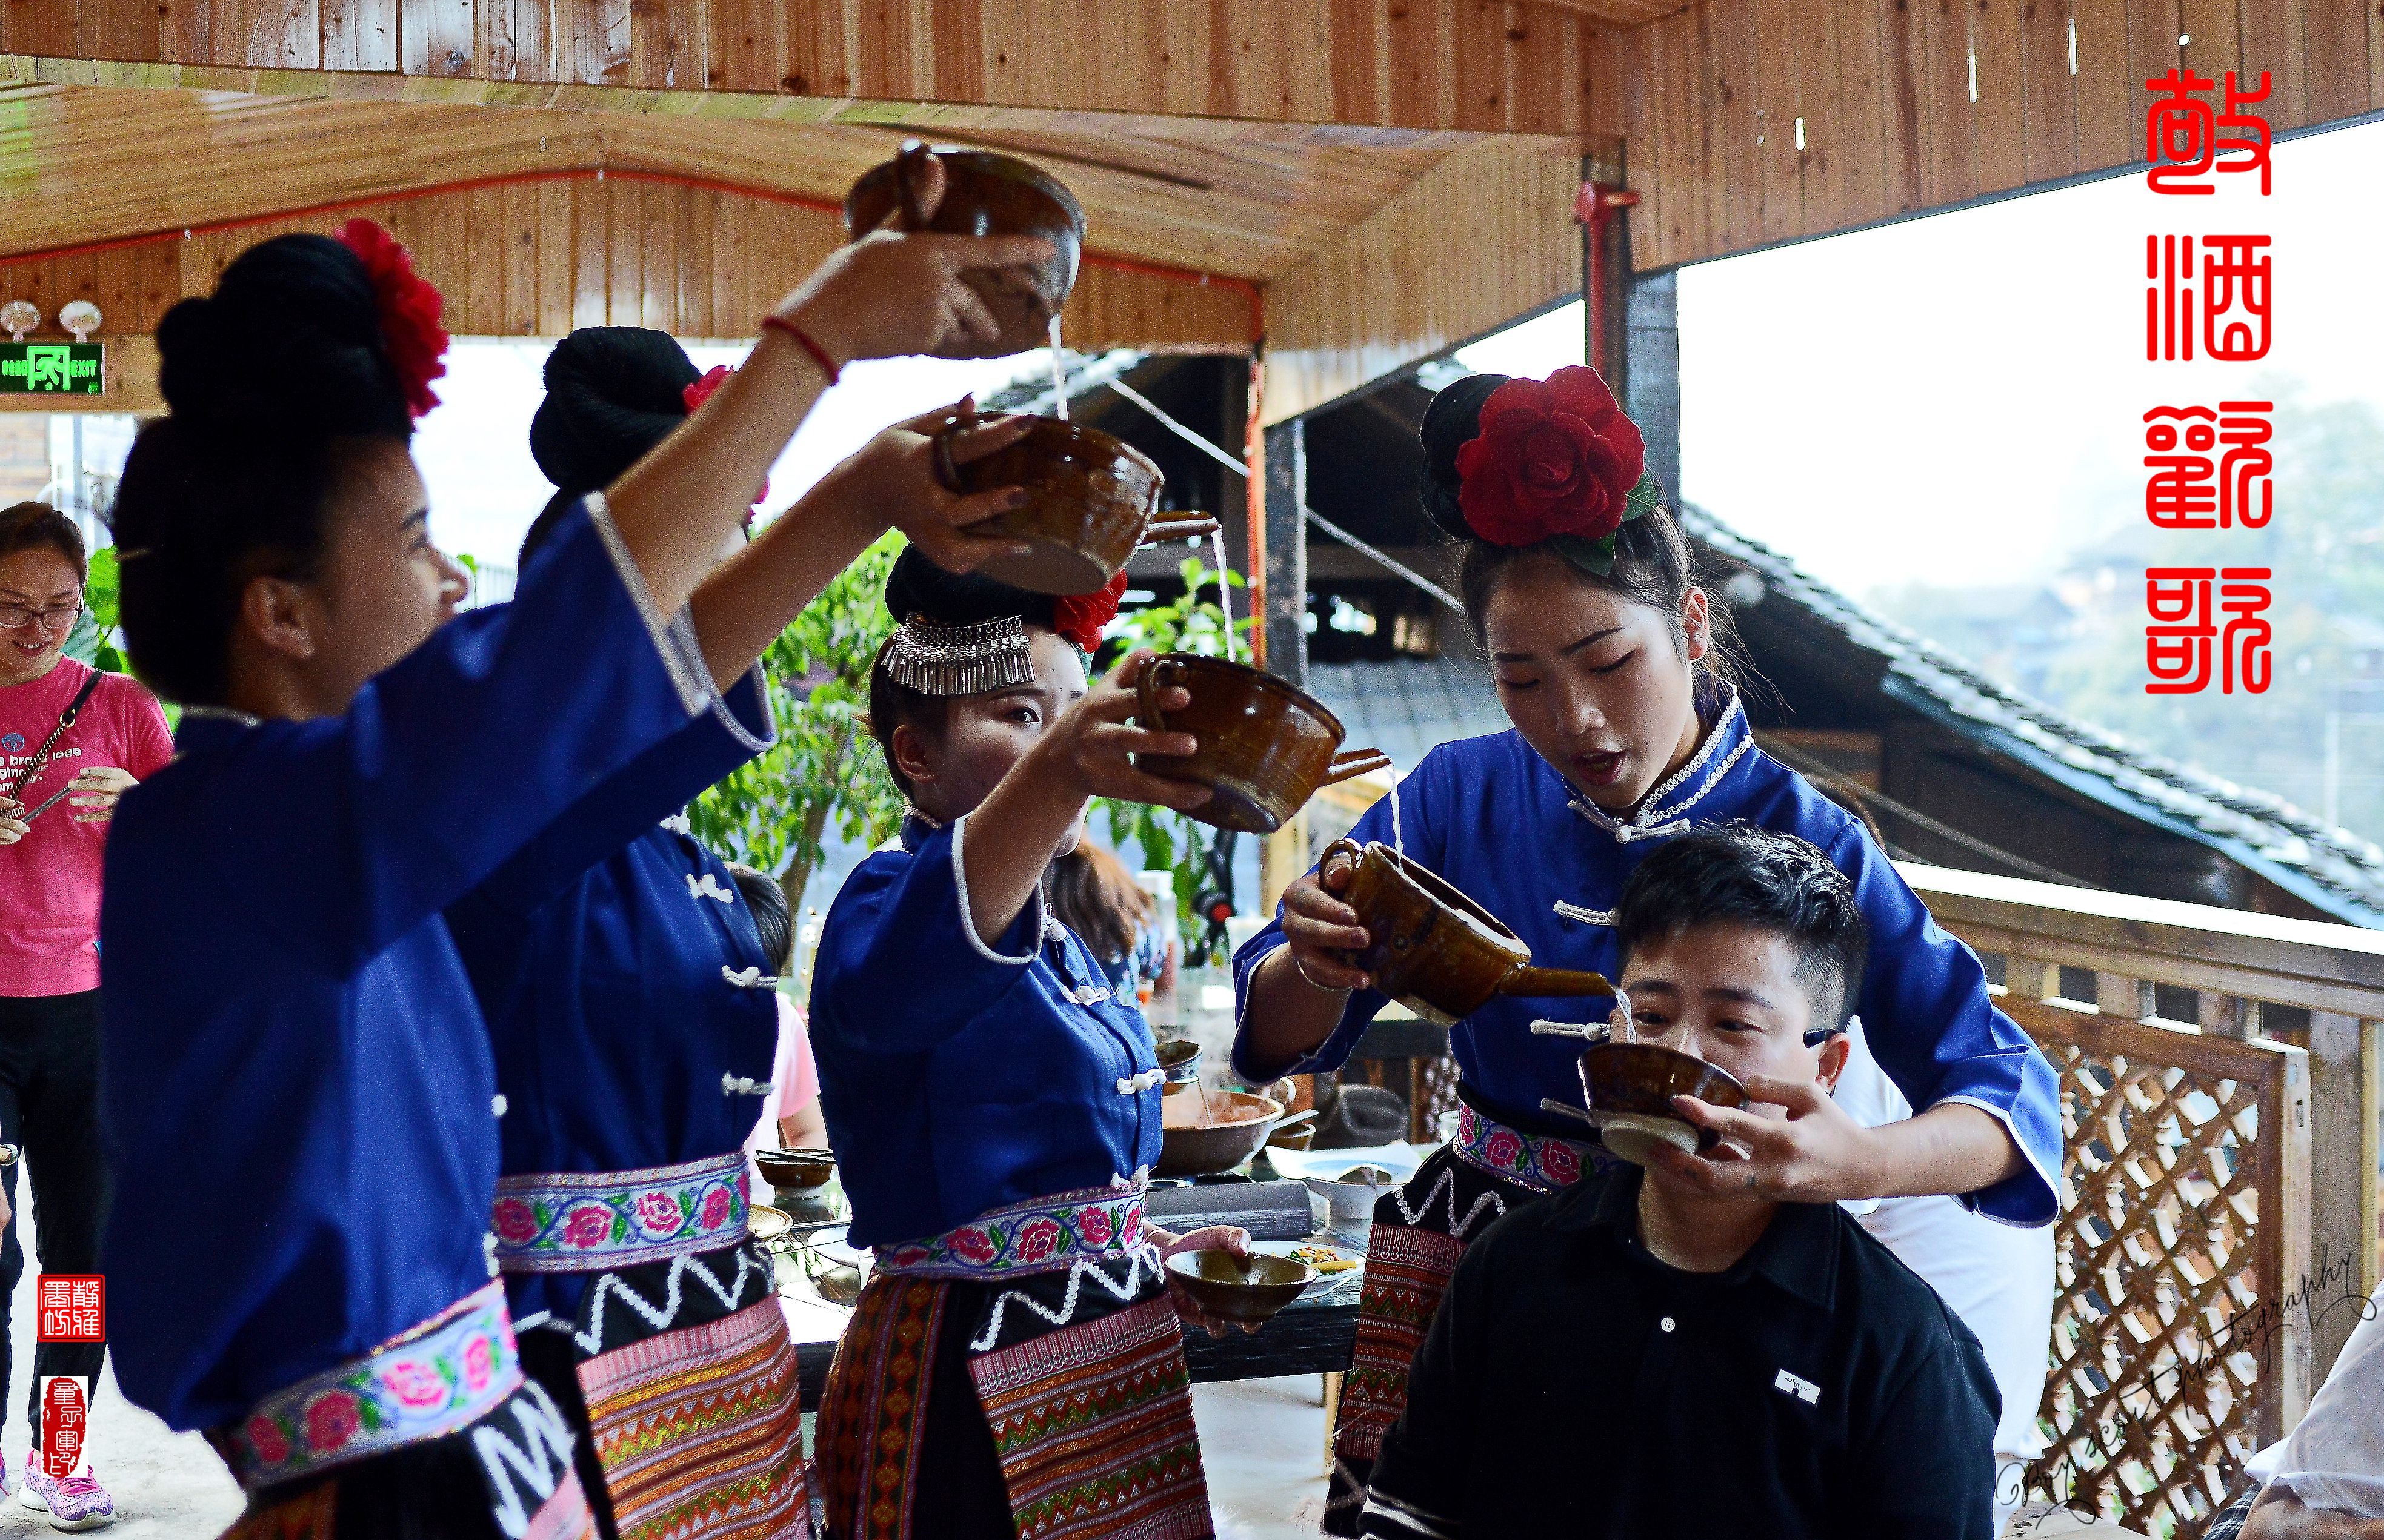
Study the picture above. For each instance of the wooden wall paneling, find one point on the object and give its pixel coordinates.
(1688, 63)
(1862, 115)
(362, 34)
(668, 41)
(1821, 106)
(1952, 119)
(134, 31)
(2274, 36)
(519, 232)
(2214, 40)
(1738, 221)
(1546, 99)
(481, 284)
(1634, 54)
(731, 252)
(1777, 88)
(50, 29)
(2153, 30)
(2048, 102)
(1362, 83)
(696, 232)
(442, 250)
(659, 241)
(743, 43)
(2336, 54)
(592, 250)
(1999, 122)
(33, 281)
(1678, 232)
(557, 257)
(136, 285)
(625, 241)
(451, 33)
(2108, 96)
(1903, 101)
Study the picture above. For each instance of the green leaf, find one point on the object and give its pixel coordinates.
(1646, 498)
(1593, 556)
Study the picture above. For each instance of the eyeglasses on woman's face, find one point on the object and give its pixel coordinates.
(58, 617)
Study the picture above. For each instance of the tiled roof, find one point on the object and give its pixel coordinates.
(1406, 706)
(2328, 867)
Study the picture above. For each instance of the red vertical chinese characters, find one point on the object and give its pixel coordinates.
(2206, 468)
(68, 1307)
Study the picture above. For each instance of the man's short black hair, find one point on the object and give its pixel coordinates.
(1737, 874)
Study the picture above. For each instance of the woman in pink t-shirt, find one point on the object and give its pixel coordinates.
(71, 741)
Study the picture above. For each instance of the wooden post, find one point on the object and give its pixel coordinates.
(1651, 388)
(1285, 854)
(2343, 1055)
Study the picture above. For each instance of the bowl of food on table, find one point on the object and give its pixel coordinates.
(1630, 1085)
(1205, 1130)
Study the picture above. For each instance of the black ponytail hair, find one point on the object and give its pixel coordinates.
(270, 384)
(1653, 562)
(611, 394)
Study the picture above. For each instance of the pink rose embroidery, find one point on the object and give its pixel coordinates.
(1504, 1149)
(513, 1221)
(715, 1208)
(331, 1420)
(1037, 1240)
(264, 1437)
(1563, 1167)
(1094, 1226)
(658, 1211)
(414, 1383)
(973, 1244)
(588, 1227)
(480, 1364)
(1133, 1231)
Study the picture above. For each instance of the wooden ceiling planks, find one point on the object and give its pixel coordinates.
(540, 257)
(1961, 98)
(1491, 66)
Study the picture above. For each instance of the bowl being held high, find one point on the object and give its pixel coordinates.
(1180, 1058)
(1266, 746)
(985, 194)
(1433, 949)
(1243, 1290)
(1630, 1087)
(1091, 499)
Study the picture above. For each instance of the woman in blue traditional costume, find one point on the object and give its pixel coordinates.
(299, 1087)
(635, 1013)
(1580, 586)
(1014, 1365)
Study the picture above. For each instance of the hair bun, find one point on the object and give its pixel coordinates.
(611, 394)
(917, 586)
(1452, 420)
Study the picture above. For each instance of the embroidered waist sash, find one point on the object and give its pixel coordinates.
(1043, 1235)
(438, 1378)
(594, 1222)
(1536, 1161)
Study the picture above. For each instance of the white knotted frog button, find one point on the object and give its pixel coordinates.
(748, 978)
(708, 886)
(743, 1085)
(1134, 1085)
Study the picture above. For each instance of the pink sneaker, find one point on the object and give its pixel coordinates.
(76, 1503)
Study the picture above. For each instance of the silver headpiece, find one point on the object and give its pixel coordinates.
(960, 660)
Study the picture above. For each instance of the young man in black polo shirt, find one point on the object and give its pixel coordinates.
(1640, 1358)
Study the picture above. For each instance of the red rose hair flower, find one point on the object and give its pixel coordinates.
(1081, 618)
(700, 392)
(409, 312)
(1554, 457)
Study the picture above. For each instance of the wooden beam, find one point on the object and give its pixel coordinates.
(1375, 63)
(1487, 236)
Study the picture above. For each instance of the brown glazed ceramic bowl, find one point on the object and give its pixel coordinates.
(792, 1168)
(1249, 1289)
(1630, 1087)
(1089, 501)
(1180, 1058)
(1266, 746)
(984, 194)
(1206, 1131)
(1433, 949)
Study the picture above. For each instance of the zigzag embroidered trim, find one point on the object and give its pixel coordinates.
(540, 1467)
(610, 1288)
(984, 1340)
(1696, 761)
(1447, 1182)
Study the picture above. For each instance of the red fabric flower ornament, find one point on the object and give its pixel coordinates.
(409, 311)
(702, 391)
(1554, 457)
(1081, 618)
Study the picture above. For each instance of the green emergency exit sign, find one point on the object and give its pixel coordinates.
(50, 368)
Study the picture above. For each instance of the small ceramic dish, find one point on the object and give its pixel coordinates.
(1352, 1197)
(1249, 1292)
(1180, 1058)
(796, 1168)
(1630, 1087)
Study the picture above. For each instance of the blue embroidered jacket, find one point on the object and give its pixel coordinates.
(297, 1084)
(632, 1009)
(1502, 824)
(958, 1076)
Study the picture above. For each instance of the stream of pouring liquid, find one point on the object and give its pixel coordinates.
(1059, 370)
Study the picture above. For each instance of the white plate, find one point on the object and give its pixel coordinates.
(1286, 1248)
(1400, 1160)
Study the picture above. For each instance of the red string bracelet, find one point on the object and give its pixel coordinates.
(819, 354)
